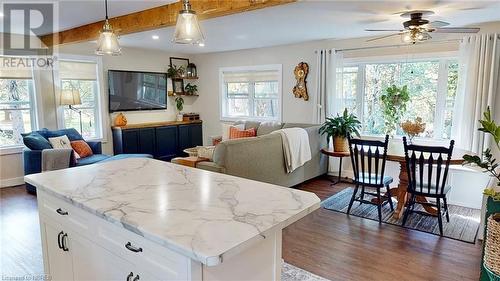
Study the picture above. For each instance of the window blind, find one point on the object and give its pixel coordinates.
(250, 76)
(75, 70)
(7, 72)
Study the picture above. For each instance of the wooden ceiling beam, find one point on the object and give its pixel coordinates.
(158, 17)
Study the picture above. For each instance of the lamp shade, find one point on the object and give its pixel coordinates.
(187, 29)
(70, 97)
(108, 41)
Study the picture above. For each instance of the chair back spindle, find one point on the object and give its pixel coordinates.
(368, 159)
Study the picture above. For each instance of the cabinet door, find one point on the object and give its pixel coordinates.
(83, 255)
(59, 263)
(130, 140)
(184, 138)
(147, 141)
(112, 267)
(166, 142)
(196, 135)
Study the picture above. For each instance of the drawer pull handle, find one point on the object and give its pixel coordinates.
(59, 239)
(63, 242)
(130, 276)
(132, 248)
(61, 212)
(136, 278)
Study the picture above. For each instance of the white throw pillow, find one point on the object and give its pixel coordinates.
(62, 142)
(226, 127)
(206, 152)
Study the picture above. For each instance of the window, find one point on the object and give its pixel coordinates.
(17, 105)
(432, 84)
(251, 93)
(82, 77)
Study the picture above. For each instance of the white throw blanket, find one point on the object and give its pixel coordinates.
(296, 148)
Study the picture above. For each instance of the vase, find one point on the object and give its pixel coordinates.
(180, 117)
(340, 144)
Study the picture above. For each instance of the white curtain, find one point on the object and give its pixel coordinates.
(478, 85)
(329, 64)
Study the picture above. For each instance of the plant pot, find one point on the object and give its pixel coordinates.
(340, 144)
(492, 246)
(180, 117)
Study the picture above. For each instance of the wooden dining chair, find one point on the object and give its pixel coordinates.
(368, 159)
(421, 161)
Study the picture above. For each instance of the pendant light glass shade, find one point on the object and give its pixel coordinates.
(187, 28)
(107, 44)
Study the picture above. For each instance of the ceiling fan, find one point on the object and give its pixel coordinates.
(418, 29)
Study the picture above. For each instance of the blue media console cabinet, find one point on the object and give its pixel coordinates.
(165, 140)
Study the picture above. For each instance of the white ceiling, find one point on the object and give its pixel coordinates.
(314, 20)
(285, 24)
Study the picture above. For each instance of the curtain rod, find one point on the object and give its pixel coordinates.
(394, 46)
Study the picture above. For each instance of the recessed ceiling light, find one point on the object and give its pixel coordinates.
(155, 37)
(201, 44)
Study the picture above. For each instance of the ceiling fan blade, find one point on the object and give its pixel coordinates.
(457, 30)
(397, 30)
(382, 37)
(438, 24)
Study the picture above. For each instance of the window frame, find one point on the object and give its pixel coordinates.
(442, 86)
(101, 122)
(35, 115)
(251, 93)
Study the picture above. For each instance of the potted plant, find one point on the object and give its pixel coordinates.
(487, 162)
(175, 71)
(179, 104)
(341, 127)
(393, 103)
(191, 89)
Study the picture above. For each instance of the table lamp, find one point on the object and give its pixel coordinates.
(71, 98)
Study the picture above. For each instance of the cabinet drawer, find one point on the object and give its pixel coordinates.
(63, 212)
(146, 255)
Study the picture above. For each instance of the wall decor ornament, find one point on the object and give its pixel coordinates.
(300, 89)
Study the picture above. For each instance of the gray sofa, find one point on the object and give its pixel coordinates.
(261, 158)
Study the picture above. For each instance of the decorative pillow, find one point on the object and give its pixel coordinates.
(235, 133)
(226, 127)
(62, 142)
(206, 152)
(82, 148)
(35, 141)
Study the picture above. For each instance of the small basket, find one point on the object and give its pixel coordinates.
(340, 144)
(492, 247)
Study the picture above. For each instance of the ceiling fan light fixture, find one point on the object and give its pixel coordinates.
(108, 44)
(187, 28)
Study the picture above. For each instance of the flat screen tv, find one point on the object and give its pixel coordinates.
(132, 90)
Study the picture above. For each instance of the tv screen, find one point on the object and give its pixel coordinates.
(130, 90)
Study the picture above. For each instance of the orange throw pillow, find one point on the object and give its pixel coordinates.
(82, 148)
(235, 133)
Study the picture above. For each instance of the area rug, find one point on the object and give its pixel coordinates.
(463, 225)
(293, 273)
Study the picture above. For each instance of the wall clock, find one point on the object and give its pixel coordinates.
(300, 89)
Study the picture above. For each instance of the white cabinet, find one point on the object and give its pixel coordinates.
(57, 261)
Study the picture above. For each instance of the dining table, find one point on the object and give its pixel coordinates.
(396, 153)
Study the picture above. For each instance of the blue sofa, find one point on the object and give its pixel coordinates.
(37, 141)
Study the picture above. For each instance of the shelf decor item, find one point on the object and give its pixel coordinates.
(175, 72)
(178, 86)
(179, 63)
(413, 129)
(393, 103)
(190, 90)
(300, 89)
(340, 128)
(179, 104)
(191, 71)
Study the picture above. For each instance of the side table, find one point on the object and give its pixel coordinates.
(189, 161)
(340, 155)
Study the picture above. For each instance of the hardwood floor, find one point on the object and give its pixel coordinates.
(327, 243)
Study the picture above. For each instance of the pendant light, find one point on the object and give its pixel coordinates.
(108, 40)
(187, 28)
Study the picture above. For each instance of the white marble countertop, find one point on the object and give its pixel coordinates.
(203, 215)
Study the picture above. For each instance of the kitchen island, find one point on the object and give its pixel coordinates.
(144, 219)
